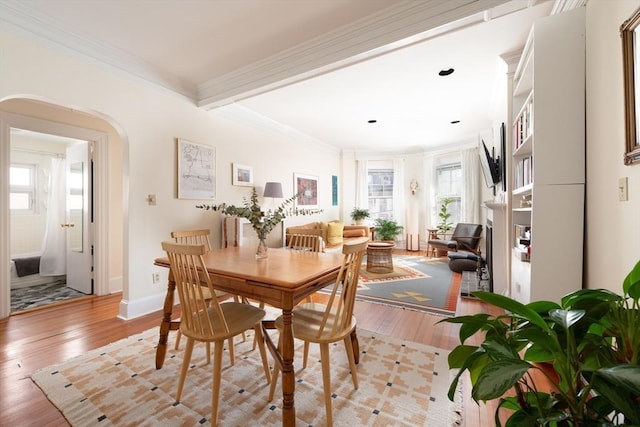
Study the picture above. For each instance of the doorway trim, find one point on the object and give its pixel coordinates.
(100, 194)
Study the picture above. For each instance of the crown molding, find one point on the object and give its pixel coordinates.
(23, 19)
(405, 23)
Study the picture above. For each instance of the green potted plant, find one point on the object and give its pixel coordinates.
(444, 226)
(587, 347)
(359, 215)
(387, 229)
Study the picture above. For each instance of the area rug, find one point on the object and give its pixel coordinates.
(401, 383)
(417, 283)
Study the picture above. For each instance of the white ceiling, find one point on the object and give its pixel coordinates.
(322, 68)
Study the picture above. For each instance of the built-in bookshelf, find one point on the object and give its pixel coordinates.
(547, 195)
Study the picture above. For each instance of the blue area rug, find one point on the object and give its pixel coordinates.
(417, 283)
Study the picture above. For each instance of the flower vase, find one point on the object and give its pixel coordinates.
(261, 251)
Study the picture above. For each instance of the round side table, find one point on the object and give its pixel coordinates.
(379, 257)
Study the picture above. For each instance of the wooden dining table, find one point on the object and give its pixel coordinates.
(282, 280)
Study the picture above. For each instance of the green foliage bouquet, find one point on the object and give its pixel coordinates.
(262, 222)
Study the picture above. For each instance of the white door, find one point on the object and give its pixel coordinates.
(79, 225)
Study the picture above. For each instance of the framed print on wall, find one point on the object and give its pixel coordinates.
(306, 187)
(242, 175)
(196, 170)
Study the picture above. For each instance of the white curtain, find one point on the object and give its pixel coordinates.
(399, 213)
(362, 196)
(470, 186)
(53, 261)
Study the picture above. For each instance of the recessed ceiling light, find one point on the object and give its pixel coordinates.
(446, 72)
(453, 122)
(372, 121)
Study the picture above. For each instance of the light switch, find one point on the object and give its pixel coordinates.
(623, 191)
(151, 199)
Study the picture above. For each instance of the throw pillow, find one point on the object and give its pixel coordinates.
(334, 233)
(323, 226)
(354, 233)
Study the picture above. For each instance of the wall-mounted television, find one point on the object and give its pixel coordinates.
(490, 166)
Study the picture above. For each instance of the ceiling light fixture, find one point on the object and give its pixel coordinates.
(446, 72)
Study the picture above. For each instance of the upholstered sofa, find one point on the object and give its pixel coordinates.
(333, 233)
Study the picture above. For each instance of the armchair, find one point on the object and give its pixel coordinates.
(465, 237)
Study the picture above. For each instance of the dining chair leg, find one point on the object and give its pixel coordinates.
(326, 381)
(352, 361)
(232, 353)
(305, 355)
(188, 350)
(263, 351)
(274, 375)
(178, 335)
(218, 346)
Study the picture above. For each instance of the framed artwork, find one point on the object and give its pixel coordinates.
(629, 32)
(196, 170)
(334, 190)
(306, 187)
(242, 175)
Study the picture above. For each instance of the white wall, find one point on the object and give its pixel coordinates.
(612, 226)
(149, 121)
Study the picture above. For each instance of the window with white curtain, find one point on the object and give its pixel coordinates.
(22, 188)
(449, 185)
(380, 192)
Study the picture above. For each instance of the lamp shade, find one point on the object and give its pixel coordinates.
(273, 189)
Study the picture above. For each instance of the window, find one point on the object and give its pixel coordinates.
(449, 185)
(380, 192)
(22, 189)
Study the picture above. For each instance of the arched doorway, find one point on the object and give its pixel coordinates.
(108, 215)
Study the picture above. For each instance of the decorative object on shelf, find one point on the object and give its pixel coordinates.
(261, 221)
(306, 187)
(631, 65)
(445, 226)
(587, 348)
(196, 170)
(359, 215)
(242, 175)
(413, 186)
(387, 229)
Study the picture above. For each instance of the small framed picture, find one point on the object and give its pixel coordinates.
(306, 187)
(196, 170)
(242, 175)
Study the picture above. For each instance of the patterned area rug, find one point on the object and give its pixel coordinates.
(401, 383)
(417, 283)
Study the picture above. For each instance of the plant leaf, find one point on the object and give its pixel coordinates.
(498, 377)
(631, 283)
(566, 318)
(625, 376)
(621, 386)
(459, 354)
(513, 306)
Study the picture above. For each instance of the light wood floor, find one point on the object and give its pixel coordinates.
(40, 338)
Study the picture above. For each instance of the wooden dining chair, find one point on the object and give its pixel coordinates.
(306, 241)
(208, 320)
(201, 237)
(325, 324)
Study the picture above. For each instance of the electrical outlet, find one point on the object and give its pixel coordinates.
(623, 190)
(155, 277)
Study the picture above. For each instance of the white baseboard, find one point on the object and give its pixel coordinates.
(139, 307)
